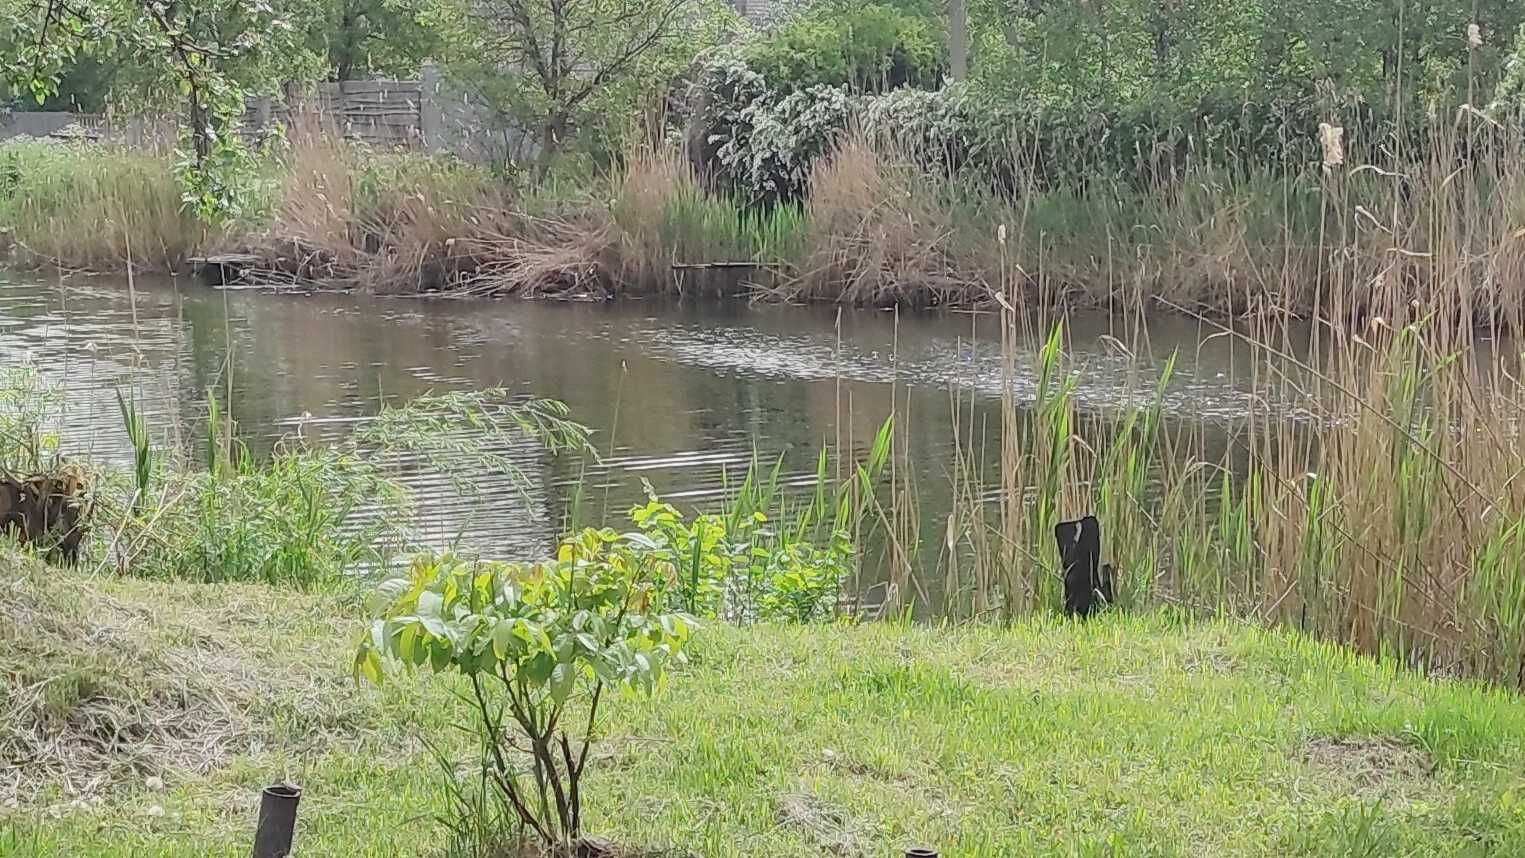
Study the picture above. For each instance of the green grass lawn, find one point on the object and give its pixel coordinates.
(1125, 736)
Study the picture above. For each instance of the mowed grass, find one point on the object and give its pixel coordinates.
(1125, 736)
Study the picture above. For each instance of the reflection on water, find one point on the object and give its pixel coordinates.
(680, 395)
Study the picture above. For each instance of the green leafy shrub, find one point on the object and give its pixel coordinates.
(29, 442)
(1509, 97)
(230, 185)
(741, 568)
(784, 137)
(871, 47)
(764, 556)
(310, 516)
(295, 520)
(533, 640)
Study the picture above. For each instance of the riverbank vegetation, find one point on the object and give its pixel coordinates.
(1323, 582)
(801, 164)
(875, 229)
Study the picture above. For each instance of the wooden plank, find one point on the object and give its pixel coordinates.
(371, 87)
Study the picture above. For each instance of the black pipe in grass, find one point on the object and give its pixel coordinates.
(920, 852)
(277, 820)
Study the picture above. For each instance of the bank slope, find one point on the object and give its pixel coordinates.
(1127, 736)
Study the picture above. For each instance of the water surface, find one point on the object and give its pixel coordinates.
(679, 395)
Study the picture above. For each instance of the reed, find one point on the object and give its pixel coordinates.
(667, 222)
(94, 207)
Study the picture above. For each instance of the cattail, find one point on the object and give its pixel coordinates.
(1000, 234)
(1332, 138)
(1474, 36)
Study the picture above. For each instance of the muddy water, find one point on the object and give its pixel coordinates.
(679, 395)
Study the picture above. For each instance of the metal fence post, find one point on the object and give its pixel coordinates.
(431, 118)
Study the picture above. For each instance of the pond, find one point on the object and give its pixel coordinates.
(680, 396)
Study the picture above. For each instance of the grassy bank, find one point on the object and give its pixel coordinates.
(1128, 736)
(877, 228)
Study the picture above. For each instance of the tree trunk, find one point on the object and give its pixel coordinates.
(550, 146)
(201, 133)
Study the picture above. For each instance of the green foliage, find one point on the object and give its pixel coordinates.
(774, 142)
(1072, 53)
(764, 556)
(29, 442)
(305, 518)
(364, 38)
(464, 434)
(607, 57)
(143, 456)
(1509, 98)
(231, 184)
(533, 639)
(207, 54)
(310, 516)
(860, 45)
(91, 207)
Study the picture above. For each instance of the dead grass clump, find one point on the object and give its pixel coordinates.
(103, 686)
(545, 259)
(1369, 764)
(822, 823)
(650, 186)
(349, 218)
(85, 703)
(879, 235)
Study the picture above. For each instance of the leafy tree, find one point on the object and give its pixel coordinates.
(866, 46)
(363, 38)
(1510, 96)
(556, 65)
(209, 52)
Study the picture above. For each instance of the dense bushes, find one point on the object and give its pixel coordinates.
(760, 138)
(863, 46)
(1510, 95)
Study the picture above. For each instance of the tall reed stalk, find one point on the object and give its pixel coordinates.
(1373, 491)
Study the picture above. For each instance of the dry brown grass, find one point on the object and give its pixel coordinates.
(105, 683)
(651, 183)
(878, 235)
(348, 218)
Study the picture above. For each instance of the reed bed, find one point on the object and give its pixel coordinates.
(1372, 493)
(94, 207)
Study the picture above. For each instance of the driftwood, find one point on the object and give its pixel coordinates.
(42, 508)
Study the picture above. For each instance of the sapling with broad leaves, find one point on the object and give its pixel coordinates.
(540, 644)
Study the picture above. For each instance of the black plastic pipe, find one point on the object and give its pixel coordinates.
(277, 821)
(920, 852)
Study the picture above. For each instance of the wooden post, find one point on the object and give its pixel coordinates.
(431, 118)
(261, 119)
(958, 40)
(1079, 545)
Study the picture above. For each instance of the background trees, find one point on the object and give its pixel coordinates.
(1132, 74)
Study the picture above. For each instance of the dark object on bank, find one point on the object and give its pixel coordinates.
(277, 820)
(920, 852)
(1088, 585)
(224, 269)
(46, 510)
